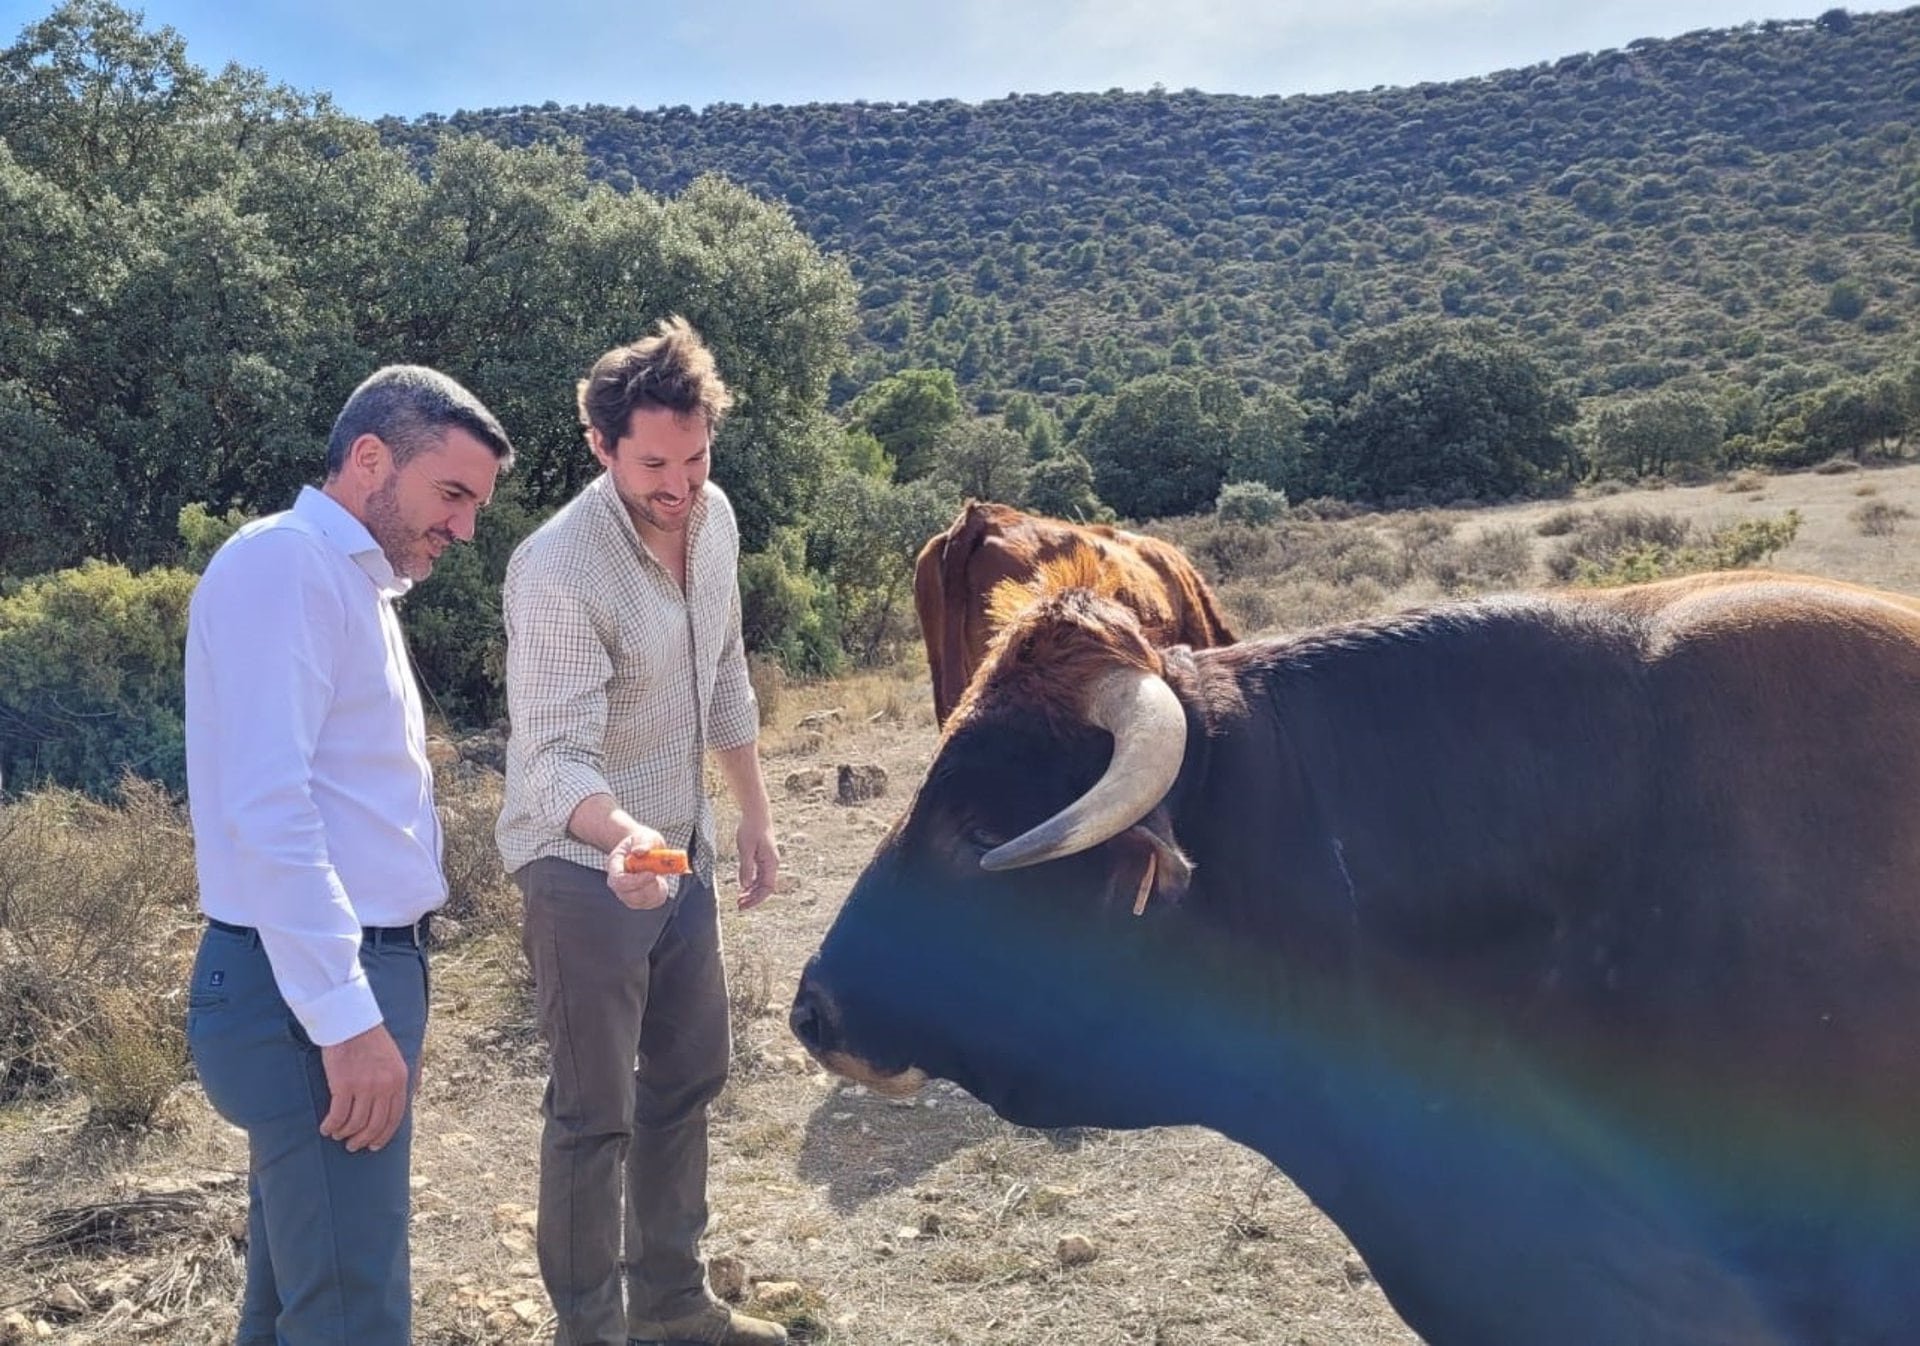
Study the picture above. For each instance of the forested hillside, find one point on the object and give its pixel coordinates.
(1678, 258)
(1731, 203)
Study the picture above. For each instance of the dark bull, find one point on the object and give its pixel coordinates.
(1564, 950)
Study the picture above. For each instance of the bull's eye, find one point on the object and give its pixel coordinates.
(1026, 647)
(984, 839)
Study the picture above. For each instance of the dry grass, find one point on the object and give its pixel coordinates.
(926, 1222)
(96, 929)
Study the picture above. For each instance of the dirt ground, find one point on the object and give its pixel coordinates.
(857, 1220)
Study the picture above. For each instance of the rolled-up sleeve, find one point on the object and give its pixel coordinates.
(557, 671)
(735, 718)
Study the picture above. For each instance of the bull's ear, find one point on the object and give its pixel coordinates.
(1152, 865)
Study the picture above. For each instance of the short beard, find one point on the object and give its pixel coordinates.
(384, 522)
(643, 507)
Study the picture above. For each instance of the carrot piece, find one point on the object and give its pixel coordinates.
(660, 860)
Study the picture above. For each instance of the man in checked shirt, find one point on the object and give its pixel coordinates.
(624, 668)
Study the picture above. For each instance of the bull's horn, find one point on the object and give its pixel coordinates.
(1149, 740)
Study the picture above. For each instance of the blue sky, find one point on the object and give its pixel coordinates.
(413, 56)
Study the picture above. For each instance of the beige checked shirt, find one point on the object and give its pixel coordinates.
(617, 682)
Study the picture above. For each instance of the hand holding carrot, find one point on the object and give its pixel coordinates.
(640, 867)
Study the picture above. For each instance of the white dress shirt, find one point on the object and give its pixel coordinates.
(307, 773)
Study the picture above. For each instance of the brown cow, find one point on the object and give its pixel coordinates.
(988, 544)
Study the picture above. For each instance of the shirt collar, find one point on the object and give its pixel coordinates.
(616, 509)
(339, 526)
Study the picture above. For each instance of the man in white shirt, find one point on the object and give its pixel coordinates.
(318, 852)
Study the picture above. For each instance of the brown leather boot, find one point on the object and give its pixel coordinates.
(715, 1325)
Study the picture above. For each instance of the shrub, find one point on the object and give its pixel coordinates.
(1224, 549)
(1846, 300)
(97, 930)
(1062, 487)
(1879, 518)
(127, 1055)
(785, 614)
(1600, 538)
(1748, 542)
(769, 682)
(1327, 509)
(1497, 559)
(1560, 523)
(860, 545)
(204, 533)
(1250, 502)
(480, 897)
(91, 678)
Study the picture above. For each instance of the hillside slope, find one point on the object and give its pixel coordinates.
(1737, 201)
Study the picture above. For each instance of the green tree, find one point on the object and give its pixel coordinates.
(981, 459)
(1062, 487)
(779, 315)
(1433, 410)
(1160, 445)
(453, 617)
(784, 610)
(865, 455)
(909, 413)
(1655, 434)
(204, 533)
(861, 540)
(1852, 418)
(1269, 444)
(1026, 416)
(195, 270)
(1846, 299)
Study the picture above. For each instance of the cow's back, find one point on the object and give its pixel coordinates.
(990, 544)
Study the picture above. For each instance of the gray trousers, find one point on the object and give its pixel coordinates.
(327, 1253)
(634, 1008)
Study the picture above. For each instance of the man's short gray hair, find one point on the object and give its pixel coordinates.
(410, 407)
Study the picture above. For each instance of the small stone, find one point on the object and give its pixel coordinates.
(777, 1294)
(1075, 1250)
(512, 1215)
(860, 783)
(728, 1277)
(807, 781)
(67, 1301)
